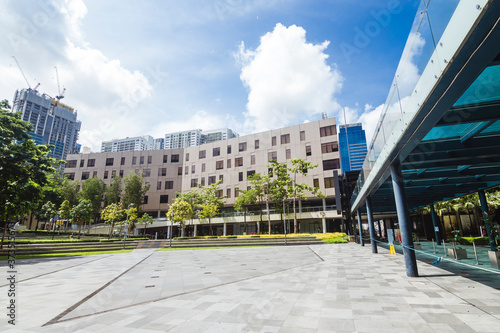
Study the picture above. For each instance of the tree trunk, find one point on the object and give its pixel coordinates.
(210, 226)
(182, 230)
(294, 218)
(470, 221)
(31, 220)
(245, 221)
(111, 230)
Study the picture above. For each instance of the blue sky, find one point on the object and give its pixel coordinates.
(150, 67)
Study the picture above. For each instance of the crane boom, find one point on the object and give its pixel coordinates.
(18, 66)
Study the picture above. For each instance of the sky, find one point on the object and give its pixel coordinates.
(152, 67)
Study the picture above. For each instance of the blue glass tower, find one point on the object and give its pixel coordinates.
(353, 148)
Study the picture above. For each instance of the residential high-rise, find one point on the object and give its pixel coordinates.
(217, 135)
(53, 122)
(353, 149)
(183, 139)
(159, 143)
(144, 142)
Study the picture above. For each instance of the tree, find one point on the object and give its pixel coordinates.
(245, 199)
(47, 211)
(113, 213)
(135, 190)
(81, 213)
(114, 190)
(69, 190)
(93, 190)
(298, 190)
(65, 210)
(132, 218)
(261, 185)
(211, 198)
(146, 219)
(24, 167)
(278, 186)
(194, 198)
(178, 212)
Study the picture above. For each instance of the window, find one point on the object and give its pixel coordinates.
(203, 167)
(174, 158)
(109, 161)
(186, 170)
(238, 161)
(242, 146)
(187, 157)
(71, 164)
(228, 163)
(158, 185)
(141, 160)
(146, 199)
(169, 184)
(252, 159)
(136, 171)
(250, 172)
(165, 158)
(316, 182)
(218, 194)
(219, 165)
(113, 173)
(240, 176)
(85, 175)
(272, 156)
(70, 175)
(285, 138)
(329, 147)
(216, 151)
(179, 171)
(121, 173)
(302, 135)
(162, 172)
(257, 144)
(94, 174)
(270, 172)
(91, 162)
(308, 150)
(150, 159)
(273, 141)
(327, 130)
(221, 178)
(193, 168)
(288, 154)
(122, 161)
(329, 182)
(229, 149)
(164, 198)
(146, 172)
(202, 181)
(82, 163)
(203, 154)
(194, 182)
(331, 164)
(106, 174)
(236, 192)
(228, 193)
(211, 180)
(134, 160)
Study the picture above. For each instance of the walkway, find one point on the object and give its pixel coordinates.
(317, 288)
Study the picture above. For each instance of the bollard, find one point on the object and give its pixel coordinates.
(433, 245)
(475, 253)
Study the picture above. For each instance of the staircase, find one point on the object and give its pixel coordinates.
(252, 241)
(151, 244)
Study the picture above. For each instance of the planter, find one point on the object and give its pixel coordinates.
(417, 246)
(494, 259)
(461, 253)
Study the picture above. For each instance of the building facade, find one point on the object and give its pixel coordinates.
(137, 143)
(353, 149)
(53, 122)
(217, 135)
(183, 139)
(231, 161)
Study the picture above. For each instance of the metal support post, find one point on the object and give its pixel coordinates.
(404, 220)
(360, 227)
(371, 225)
(487, 223)
(434, 224)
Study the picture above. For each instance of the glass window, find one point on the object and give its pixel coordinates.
(121, 173)
(165, 158)
(158, 185)
(250, 172)
(71, 164)
(273, 141)
(193, 168)
(243, 146)
(329, 147)
(85, 175)
(94, 174)
(174, 158)
(316, 182)
(285, 138)
(327, 130)
(186, 170)
(122, 161)
(109, 161)
(238, 161)
(164, 198)
(187, 157)
(229, 149)
(329, 182)
(221, 178)
(194, 182)
(272, 156)
(202, 181)
(219, 165)
(288, 154)
(70, 175)
(162, 172)
(302, 135)
(146, 172)
(82, 163)
(179, 171)
(141, 160)
(169, 184)
(203, 154)
(211, 180)
(252, 159)
(146, 199)
(228, 163)
(240, 176)
(106, 174)
(216, 151)
(134, 160)
(236, 192)
(228, 193)
(91, 162)
(257, 144)
(150, 159)
(308, 150)
(331, 164)
(203, 167)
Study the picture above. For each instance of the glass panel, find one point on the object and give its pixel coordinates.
(485, 88)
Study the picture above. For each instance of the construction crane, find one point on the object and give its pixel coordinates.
(60, 93)
(18, 66)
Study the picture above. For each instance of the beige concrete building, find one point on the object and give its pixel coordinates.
(233, 160)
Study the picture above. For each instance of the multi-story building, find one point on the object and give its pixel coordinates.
(137, 143)
(183, 139)
(231, 161)
(159, 143)
(53, 122)
(353, 149)
(217, 135)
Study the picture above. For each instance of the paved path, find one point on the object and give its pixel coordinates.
(319, 288)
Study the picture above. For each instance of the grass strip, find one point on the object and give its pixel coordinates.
(69, 254)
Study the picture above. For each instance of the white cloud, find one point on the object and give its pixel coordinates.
(200, 119)
(288, 79)
(408, 73)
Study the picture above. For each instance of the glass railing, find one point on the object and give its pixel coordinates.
(422, 50)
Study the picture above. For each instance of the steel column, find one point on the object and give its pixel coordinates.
(404, 220)
(360, 227)
(434, 224)
(371, 225)
(487, 223)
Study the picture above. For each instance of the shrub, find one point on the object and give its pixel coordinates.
(254, 236)
(181, 238)
(211, 237)
(336, 240)
(477, 240)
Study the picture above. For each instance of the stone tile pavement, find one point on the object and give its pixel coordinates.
(319, 288)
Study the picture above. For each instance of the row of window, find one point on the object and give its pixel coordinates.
(110, 161)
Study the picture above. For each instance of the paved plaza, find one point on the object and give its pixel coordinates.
(318, 288)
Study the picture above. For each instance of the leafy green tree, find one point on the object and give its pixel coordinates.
(178, 212)
(261, 185)
(65, 210)
(211, 198)
(194, 198)
(135, 190)
(82, 213)
(132, 218)
(69, 190)
(298, 190)
(24, 167)
(245, 199)
(114, 190)
(113, 213)
(208, 211)
(146, 219)
(93, 189)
